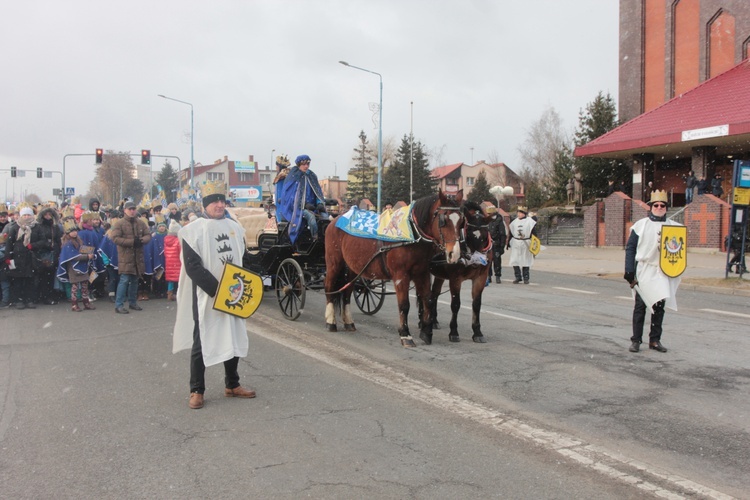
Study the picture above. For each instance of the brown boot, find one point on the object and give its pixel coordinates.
(196, 401)
(75, 307)
(239, 392)
(87, 305)
(170, 295)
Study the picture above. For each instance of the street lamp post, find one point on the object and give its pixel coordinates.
(192, 157)
(380, 126)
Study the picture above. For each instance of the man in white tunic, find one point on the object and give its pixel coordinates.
(213, 336)
(652, 288)
(519, 242)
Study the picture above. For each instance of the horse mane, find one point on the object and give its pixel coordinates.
(422, 209)
(472, 205)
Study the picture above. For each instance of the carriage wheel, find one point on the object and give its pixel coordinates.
(290, 289)
(369, 295)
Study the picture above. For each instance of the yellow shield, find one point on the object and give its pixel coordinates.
(535, 245)
(240, 292)
(673, 258)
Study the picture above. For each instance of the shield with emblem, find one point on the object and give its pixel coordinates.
(240, 291)
(673, 257)
(535, 245)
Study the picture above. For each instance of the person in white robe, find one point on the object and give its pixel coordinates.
(651, 288)
(519, 243)
(213, 336)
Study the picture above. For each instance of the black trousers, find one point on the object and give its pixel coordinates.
(198, 369)
(522, 273)
(23, 289)
(497, 264)
(639, 318)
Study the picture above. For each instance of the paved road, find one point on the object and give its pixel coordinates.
(553, 406)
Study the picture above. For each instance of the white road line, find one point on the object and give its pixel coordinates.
(728, 313)
(596, 458)
(575, 290)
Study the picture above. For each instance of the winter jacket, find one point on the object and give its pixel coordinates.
(130, 234)
(23, 257)
(51, 231)
(172, 264)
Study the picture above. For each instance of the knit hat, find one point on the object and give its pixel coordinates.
(26, 211)
(174, 227)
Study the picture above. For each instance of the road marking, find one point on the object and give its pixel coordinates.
(596, 458)
(500, 315)
(575, 290)
(728, 313)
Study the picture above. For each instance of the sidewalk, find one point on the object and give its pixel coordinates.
(705, 270)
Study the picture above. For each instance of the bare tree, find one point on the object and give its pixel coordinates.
(437, 156)
(545, 139)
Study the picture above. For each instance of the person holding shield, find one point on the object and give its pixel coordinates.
(519, 243)
(214, 337)
(652, 287)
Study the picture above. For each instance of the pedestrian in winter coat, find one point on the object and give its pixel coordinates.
(130, 234)
(498, 233)
(172, 264)
(47, 255)
(22, 241)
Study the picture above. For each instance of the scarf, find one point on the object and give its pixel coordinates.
(24, 230)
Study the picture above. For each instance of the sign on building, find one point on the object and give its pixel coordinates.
(245, 166)
(243, 194)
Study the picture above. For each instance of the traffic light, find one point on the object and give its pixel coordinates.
(13, 172)
(145, 157)
(38, 172)
(99, 156)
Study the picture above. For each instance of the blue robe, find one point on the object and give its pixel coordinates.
(300, 188)
(148, 257)
(108, 252)
(157, 251)
(68, 253)
(93, 238)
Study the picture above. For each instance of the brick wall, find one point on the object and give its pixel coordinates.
(615, 214)
(591, 216)
(707, 220)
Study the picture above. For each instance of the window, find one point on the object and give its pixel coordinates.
(451, 182)
(470, 181)
(265, 179)
(245, 176)
(215, 176)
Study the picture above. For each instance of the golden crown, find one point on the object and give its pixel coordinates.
(658, 195)
(213, 187)
(90, 216)
(68, 212)
(160, 219)
(282, 160)
(69, 225)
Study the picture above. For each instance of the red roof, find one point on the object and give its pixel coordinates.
(721, 101)
(440, 172)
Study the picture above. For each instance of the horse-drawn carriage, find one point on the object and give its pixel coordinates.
(293, 269)
(342, 265)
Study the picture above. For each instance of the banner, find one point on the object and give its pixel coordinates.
(246, 193)
(673, 257)
(240, 292)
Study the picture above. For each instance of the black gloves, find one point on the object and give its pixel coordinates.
(137, 243)
(629, 277)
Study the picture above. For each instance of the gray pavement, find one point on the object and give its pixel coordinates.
(609, 262)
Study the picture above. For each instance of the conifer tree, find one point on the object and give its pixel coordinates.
(599, 117)
(396, 180)
(480, 191)
(363, 177)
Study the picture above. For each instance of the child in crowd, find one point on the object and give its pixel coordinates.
(75, 265)
(172, 264)
(158, 284)
(108, 253)
(4, 280)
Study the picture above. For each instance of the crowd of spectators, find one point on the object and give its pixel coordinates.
(50, 253)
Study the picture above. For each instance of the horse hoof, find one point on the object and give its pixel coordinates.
(435, 325)
(349, 327)
(454, 338)
(332, 327)
(427, 339)
(479, 339)
(407, 342)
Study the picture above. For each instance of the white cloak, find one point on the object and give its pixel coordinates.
(223, 336)
(520, 229)
(653, 285)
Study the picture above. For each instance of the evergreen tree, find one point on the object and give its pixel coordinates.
(562, 172)
(402, 171)
(480, 191)
(167, 179)
(363, 177)
(599, 117)
(134, 189)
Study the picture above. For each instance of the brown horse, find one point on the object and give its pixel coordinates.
(435, 220)
(477, 239)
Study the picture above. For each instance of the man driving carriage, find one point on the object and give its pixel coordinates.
(300, 189)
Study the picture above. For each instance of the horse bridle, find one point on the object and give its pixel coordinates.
(440, 213)
(479, 226)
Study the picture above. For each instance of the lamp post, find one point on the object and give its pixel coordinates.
(380, 126)
(192, 158)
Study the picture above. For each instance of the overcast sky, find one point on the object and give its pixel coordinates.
(263, 75)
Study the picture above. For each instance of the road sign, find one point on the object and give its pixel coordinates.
(56, 191)
(69, 191)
